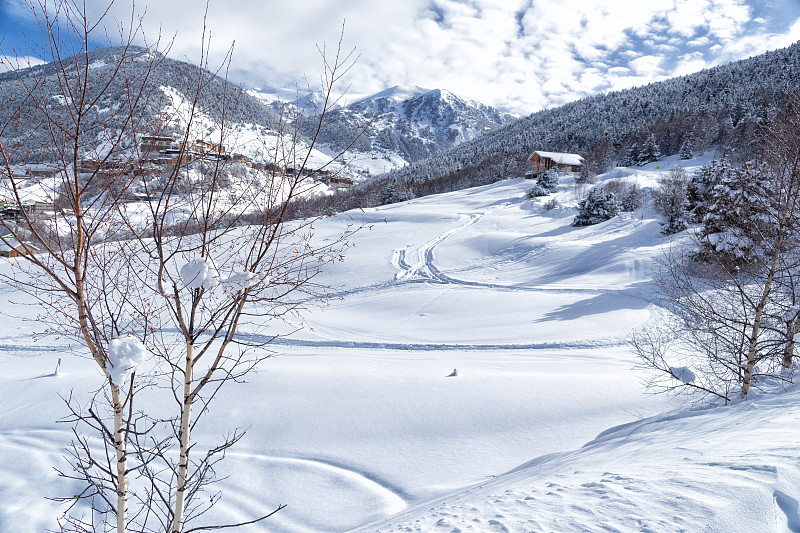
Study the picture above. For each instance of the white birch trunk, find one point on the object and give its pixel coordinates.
(122, 462)
(183, 465)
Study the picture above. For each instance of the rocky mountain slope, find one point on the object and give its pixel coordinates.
(153, 78)
(399, 125)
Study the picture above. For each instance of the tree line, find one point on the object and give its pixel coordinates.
(733, 293)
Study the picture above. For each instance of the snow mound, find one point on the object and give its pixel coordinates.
(239, 281)
(692, 470)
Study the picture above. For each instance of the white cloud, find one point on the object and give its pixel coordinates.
(520, 55)
(648, 67)
(689, 63)
(700, 41)
(14, 63)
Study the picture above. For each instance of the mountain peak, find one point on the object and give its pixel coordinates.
(398, 93)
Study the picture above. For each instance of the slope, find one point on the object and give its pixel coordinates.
(717, 470)
(356, 419)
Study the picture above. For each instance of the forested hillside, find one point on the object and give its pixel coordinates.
(722, 106)
(218, 97)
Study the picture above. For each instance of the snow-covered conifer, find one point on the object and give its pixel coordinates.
(631, 157)
(598, 207)
(700, 185)
(737, 219)
(687, 146)
(537, 190)
(548, 180)
(389, 194)
(650, 151)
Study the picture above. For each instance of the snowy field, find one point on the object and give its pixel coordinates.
(356, 424)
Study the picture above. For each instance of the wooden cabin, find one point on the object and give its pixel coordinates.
(546, 160)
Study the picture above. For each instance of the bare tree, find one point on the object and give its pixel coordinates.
(79, 296)
(216, 277)
(171, 294)
(669, 200)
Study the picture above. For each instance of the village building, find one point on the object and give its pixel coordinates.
(155, 143)
(275, 168)
(546, 160)
(29, 170)
(340, 183)
(332, 180)
(14, 248)
(110, 166)
(204, 147)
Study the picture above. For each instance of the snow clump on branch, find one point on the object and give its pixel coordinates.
(682, 374)
(200, 273)
(239, 281)
(124, 354)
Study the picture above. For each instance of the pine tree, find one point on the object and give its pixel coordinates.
(548, 180)
(650, 151)
(736, 222)
(598, 207)
(631, 156)
(389, 193)
(700, 186)
(687, 146)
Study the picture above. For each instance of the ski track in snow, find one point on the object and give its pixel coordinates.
(426, 347)
(425, 271)
(424, 267)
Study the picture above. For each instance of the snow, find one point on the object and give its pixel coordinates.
(545, 425)
(718, 470)
(248, 139)
(683, 374)
(561, 158)
(239, 281)
(199, 274)
(124, 355)
(398, 93)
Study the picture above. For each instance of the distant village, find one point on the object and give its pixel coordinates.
(157, 152)
(166, 151)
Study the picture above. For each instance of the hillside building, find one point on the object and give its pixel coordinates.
(546, 160)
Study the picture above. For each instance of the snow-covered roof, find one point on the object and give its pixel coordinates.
(560, 158)
(13, 244)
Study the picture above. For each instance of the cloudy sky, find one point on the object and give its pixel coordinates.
(517, 55)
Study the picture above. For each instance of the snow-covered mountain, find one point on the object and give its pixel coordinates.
(381, 132)
(168, 103)
(396, 126)
(429, 114)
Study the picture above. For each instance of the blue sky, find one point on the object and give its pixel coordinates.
(517, 55)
